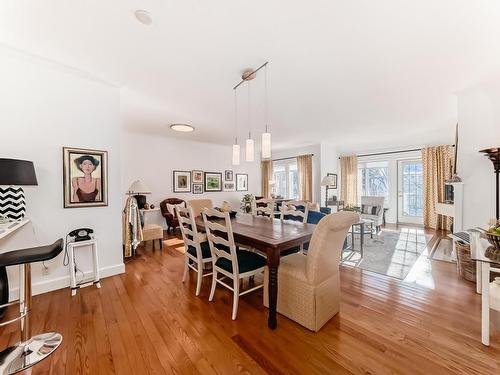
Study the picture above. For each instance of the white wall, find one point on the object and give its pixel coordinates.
(43, 107)
(153, 158)
(479, 128)
(303, 150)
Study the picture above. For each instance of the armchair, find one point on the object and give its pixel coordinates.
(309, 285)
(171, 219)
(373, 208)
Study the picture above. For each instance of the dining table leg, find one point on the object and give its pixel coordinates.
(273, 261)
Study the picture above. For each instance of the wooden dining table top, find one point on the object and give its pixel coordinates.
(264, 232)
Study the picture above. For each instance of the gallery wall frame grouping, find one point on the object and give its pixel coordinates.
(198, 181)
(85, 177)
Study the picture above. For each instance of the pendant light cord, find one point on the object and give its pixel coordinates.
(235, 118)
(266, 97)
(248, 85)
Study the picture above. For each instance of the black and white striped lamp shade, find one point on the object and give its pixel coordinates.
(12, 202)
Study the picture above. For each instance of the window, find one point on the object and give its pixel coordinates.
(373, 179)
(286, 179)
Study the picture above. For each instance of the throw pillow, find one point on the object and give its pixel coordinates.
(172, 207)
(370, 210)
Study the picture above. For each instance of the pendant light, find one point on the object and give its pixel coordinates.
(249, 144)
(236, 146)
(266, 136)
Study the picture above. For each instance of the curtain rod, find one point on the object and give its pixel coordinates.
(391, 152)
(291, 157)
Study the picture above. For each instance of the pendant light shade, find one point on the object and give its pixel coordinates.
(249, 150)
(236, 154)
(266, 145)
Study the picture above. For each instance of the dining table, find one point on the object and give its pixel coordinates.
(270, 236)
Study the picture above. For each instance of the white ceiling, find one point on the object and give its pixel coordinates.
(348, 71)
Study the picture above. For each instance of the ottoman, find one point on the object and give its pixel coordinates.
(152, 232)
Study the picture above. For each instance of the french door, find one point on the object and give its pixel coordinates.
(410, 191)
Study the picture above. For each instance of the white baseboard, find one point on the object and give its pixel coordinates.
(63, 282)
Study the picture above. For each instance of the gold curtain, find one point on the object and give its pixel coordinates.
(438, 163)
(304, 166)
(349, 180)
(266, 167)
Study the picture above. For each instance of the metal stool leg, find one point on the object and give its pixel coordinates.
(30, 350)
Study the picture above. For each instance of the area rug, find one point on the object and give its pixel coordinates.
(391, 252)
(444, 251)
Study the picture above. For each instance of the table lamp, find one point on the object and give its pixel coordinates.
(327, 181)
(138, 189)
(13, 173)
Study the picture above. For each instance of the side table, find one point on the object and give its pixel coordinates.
(95, 280)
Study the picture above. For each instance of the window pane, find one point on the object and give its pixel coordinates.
(413, 189)
(373, 180)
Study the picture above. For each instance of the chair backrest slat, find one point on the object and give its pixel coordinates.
(189, 232)
(263, 206)
(217, 225)
(289, 208)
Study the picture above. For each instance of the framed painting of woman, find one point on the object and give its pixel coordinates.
(85, 177)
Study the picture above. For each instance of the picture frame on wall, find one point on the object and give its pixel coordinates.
(334, 186)
(197, 188)
(181, 181)
(213, 181)
(229, 186)
(197, 176)
(85, 177)
(241, 182)
(228, 175)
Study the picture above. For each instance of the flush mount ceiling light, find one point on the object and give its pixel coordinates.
(143, 16)
(184, 128)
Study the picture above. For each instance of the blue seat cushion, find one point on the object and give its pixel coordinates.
(247, 261)
(205, 250)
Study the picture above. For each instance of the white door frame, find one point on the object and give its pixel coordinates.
(402, 219)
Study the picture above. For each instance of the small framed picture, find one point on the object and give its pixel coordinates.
(85, 177)
(197, 177)
(334, 186)
(241, 182)
(197, 188)
(213, 181)
(182, 181)
(229, 186)
(228, 175)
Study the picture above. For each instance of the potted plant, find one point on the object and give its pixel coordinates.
(246, 203)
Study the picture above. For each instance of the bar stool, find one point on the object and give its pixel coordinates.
(30, 350)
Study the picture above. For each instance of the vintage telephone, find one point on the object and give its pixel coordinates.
(81, 234)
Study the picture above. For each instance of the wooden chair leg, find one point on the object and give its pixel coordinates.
(214, 283)
(236, 296)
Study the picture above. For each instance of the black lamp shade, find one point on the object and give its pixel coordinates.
(17, 172)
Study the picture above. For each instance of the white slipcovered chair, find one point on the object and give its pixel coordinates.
(309, 285)
(373, 208)
(199, 204)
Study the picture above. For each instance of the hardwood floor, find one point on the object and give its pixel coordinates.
(147, 322)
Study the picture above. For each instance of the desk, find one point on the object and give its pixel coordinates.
(271, 236)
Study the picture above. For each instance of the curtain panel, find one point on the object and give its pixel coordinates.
(438, 165)
(304, 166)
(266, 167)
(349, 180)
